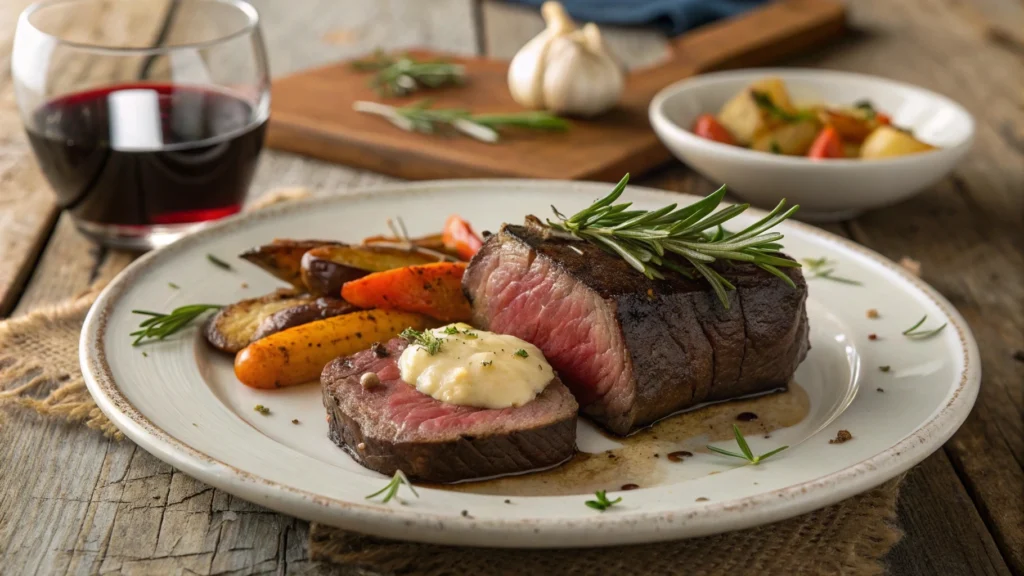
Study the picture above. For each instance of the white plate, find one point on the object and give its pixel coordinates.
(182, 403)
(826, 189)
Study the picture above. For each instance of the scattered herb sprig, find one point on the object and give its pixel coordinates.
(602, 503)
(764, 101)
(159, 325)
(425, 339)
(914, 334)
(521, 353)
(825, 268)
(218, 262)
(420, 117)
(747, 454)
(402, 75)
(391, 490)
(683, 239)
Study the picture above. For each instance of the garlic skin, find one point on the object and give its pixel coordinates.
(566, 70)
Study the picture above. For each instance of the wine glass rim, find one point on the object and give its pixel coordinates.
(250, 12)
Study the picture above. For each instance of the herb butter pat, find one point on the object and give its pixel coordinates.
(477, 368)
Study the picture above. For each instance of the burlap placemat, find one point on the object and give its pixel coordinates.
(39, 370)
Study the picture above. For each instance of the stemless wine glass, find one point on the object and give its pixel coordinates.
(147, 117)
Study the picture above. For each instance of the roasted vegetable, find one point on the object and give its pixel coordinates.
(318, 309)
(460, 238)
(299, 354)
(849, 126)
(432, 242)
(887, 142)
(745, 118)
(233, 327)
(828, 144)
(707, 127)
(793, 138)
(283, 258)
(325, 269)
(432, 289)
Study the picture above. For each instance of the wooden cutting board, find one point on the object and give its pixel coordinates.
(311, 112)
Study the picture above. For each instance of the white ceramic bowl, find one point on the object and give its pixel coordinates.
(826, 190)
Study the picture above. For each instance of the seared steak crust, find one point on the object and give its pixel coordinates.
(634, 350)
(395, 427)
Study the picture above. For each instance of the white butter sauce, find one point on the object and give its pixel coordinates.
(477, 368)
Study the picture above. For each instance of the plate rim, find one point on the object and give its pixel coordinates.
(623, 527)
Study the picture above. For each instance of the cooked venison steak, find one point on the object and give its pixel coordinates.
(393, 426)
(634, 350)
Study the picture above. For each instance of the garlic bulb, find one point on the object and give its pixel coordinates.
(564, 69)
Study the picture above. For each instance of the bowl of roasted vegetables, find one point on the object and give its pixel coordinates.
(836, 143)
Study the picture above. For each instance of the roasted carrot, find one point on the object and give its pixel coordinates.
(828, 144)
(299, 354)
(459, 236)
(708, 127)
(431, 289)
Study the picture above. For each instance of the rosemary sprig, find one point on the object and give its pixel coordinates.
(764, 102)
(683, 239)
(159, 325)
(825, 268)
(425, 339)
(602, 503)
(747, 454)
(218, 262)
(402, 75)
(420, 117)
(391, 490)
(914, 334)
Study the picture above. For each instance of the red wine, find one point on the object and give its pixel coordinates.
(148, 154)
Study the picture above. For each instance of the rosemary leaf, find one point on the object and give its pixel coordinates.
(914, 334)
(420, 117)
(159, 325)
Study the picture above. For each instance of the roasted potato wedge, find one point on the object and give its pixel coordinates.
(326, 268)
(793, 138)
(745, 119)
(233, 327)
(852, 127)
(299, 354)
(888, 142)
(283, 258)
(318, 309)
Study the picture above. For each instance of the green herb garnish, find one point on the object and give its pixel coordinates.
(419, 117)
(487, 362)
(775, 148)
(681, 240)
(451, 330)
(402, 75)
(764, 102)
(867, 107)
(262, 409)
(915, 334)
(602, 503)
(173, 285)
(218, 262)
(160, 325)
(521, 353)
(747, 454)
(470, 334)
(885, 368)
(825, 268)
(426, 339)
(391, 490)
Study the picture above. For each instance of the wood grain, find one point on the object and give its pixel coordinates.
(312, 111)
(72, 502)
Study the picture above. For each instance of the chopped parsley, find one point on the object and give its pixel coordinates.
(425, 339)
(451, 330)
(764, 101)
(521, 353)
(602, 503)
(262, 409)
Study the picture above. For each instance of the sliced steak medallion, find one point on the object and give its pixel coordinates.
(631, 349)
(393, 426)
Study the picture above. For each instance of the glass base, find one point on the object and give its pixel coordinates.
(136, 238)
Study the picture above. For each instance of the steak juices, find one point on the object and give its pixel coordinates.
(630, 350)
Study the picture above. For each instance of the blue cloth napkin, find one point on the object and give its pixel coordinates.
(674, 16)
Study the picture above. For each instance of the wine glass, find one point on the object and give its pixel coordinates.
(147, 117)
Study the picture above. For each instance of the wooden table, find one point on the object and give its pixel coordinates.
(74, 502)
